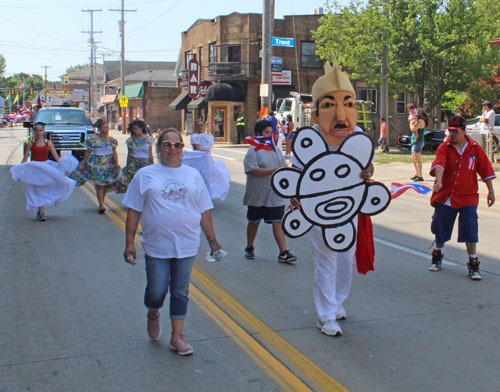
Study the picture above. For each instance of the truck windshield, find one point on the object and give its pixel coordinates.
(63, 117)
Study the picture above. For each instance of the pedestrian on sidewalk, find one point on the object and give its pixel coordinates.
(262, 203)
(100, 163)
(240, 127)
(418, 123)
(382, 141)
(288, 131)
(336, 116)
(173, 204)
(140, 153)
(459, 160)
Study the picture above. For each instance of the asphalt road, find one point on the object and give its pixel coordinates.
(72, 317)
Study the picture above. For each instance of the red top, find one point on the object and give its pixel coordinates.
(460, 173)
(383, 129)
(40, 153)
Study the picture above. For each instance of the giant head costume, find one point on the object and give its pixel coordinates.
(329, 187)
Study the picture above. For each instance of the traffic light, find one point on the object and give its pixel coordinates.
(12, 91)
(65, 91)
(31, 90)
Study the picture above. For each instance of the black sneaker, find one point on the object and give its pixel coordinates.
(414, 177)
(437, 259)
(287, 257)
(473, 266)
(249, 252)
(417, 179)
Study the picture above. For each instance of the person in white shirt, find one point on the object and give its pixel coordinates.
(487, 119)
(172, 203)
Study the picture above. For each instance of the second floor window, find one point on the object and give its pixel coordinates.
(368, 94)
(308, 56)
(212, 53)
(188, 57)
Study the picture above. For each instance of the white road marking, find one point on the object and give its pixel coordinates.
(409, 250)
(232, 150)
(215, 155)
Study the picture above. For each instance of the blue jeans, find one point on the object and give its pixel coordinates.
(162, 274)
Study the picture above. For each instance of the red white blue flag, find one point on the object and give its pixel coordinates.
(261, 142)
(399, 189)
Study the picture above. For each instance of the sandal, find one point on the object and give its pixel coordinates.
(102, 210)
(41, 216)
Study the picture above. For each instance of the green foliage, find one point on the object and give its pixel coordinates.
(3, 64)
(76, 67)
(35, 82)
(435, 46)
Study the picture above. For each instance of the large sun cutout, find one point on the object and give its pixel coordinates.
(329, 188)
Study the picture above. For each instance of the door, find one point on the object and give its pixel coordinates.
(219, 122)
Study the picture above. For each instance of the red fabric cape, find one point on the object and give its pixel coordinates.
(365, 249)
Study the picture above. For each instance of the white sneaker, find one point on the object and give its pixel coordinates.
(341, 314)
(329, 327)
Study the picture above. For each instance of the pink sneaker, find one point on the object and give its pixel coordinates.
(154, 329)
(178, 343)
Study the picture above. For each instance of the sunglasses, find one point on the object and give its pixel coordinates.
(175, 144)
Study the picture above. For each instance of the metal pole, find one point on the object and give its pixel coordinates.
(92, 41)
(267, 28)
(384, 82)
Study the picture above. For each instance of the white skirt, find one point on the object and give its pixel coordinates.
(46, 181)
(215, 173)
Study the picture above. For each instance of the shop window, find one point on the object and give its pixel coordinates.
(212, 53)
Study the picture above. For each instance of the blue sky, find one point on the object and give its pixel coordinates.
(49, 32)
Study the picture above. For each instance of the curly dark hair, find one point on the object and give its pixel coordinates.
(260, 126)
(139, 123)
(100, 122)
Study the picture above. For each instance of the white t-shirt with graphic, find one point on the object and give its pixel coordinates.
(171, 201)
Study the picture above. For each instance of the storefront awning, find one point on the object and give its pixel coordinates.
(197, 104)
(180, 102)
(108, 99)
(225, 92)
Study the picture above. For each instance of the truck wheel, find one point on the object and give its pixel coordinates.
(428, 149)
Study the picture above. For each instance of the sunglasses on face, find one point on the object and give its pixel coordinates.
(175, 144)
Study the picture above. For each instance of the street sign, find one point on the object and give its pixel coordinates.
(123, 101)
(202, 88)
(193, 78)
(264, 90)
(276, 64)
(286, 42)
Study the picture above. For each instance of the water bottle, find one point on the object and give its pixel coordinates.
(218, 255)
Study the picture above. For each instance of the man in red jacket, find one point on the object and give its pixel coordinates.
(458, 162)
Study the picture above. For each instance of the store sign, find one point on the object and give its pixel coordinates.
(276, 64)
(193, 78)
(264, 90)
(282, 78)
(109, 90)
(202, 89)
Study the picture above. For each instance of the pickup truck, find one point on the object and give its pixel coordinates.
(67, 128)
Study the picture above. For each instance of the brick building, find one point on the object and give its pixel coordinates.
(227, 50)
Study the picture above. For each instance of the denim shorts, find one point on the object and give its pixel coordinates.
(444, 218)
(382, 140)
(162, 274)
(269, 214)
(417, 147)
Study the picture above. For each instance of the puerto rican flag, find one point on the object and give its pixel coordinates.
(261, 142)
(399, 189)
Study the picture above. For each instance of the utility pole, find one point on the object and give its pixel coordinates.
(384, 82)
(92, 42)
(45, 82)
(267, 32)
(122, 61)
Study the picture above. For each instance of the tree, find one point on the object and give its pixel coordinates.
(3, 64)
(435, 46)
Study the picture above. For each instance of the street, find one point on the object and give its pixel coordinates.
(73, 317)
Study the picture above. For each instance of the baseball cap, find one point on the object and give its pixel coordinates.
(456, 123)
(486, 103)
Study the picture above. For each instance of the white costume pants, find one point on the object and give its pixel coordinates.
(332, 275)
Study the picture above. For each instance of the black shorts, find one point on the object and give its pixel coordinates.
(269, 214)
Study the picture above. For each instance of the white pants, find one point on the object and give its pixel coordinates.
(332, 275)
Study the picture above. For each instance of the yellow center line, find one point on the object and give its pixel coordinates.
(228, 309)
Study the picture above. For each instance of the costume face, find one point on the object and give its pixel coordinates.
(337, 116)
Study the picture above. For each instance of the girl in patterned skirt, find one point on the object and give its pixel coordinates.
(140, 153)
(100, 162)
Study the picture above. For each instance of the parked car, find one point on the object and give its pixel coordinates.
(67, 128)
(473, 127)
(432, 139)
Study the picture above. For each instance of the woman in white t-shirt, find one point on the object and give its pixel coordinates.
(215, 173)
(172, 203)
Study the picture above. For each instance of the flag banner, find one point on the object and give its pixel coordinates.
(399, 189)
(260, 142)
(8, 97)
(16, 98)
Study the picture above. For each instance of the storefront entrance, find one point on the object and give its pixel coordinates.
(218, 124)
